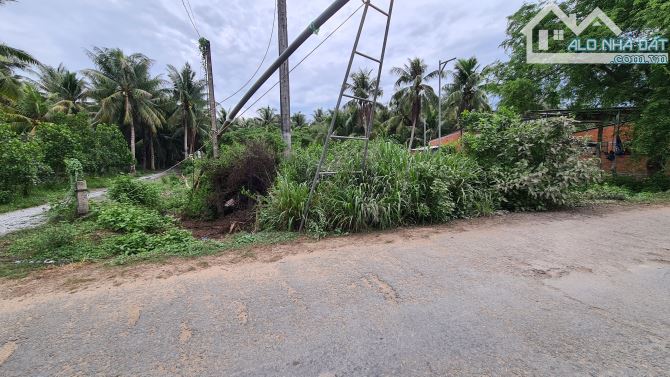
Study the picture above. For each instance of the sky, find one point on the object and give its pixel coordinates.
(61, 31)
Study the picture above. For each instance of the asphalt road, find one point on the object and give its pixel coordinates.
(545, 294)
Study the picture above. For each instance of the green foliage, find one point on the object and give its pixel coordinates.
(127, 218)
(56, 244)
(534, 165)
(74, 170)
(398, 189)
(605, 191)
(126, 189)
(106, 150)
(20, 164)
(58, 143)
(271, 138)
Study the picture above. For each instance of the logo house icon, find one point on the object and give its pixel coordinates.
(596, 18)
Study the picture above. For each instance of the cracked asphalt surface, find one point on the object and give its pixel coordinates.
(571, 293)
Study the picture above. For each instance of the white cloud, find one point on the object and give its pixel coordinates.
(58, 31)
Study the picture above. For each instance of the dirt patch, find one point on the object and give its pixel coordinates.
(185, 334)
(242, 220)
(386, 289)
(133, 315)
(6, 351)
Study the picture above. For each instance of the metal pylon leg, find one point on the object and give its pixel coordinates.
(373, 103)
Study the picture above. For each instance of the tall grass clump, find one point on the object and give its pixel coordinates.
(398, 189)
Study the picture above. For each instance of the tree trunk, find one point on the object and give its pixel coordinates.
(152, 152)
(185, 135)
(132, 138)
(145, 150)
(284, 87)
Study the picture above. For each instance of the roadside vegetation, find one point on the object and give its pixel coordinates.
(117, 118)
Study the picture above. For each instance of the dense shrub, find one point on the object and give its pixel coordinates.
(106, 150)
(126, 189)
(127, 218)
(20, 164)
(58, 143)
(534, 165)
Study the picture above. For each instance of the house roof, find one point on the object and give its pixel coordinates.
(571, 21)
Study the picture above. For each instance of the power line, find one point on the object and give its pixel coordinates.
(191, 17)
(267, 49)
(299, 63)
(277, 83)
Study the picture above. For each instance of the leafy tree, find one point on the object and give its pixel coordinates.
(58, 142)
(20, 163)
(601, 85)
(189, 94)
(412, 90)
(467, 90)
(125, 91)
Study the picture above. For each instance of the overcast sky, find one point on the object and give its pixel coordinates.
(58, 31)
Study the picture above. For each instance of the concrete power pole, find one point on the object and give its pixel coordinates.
(207, 51)
(284, 90)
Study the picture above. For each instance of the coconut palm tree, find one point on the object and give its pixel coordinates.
(298, 120)
(412, 90)
(189, 94)
(267, 117)
(125, 91)
(12, 59)
(365, 88)
(318, 116)
(467, 90)
(63, 88)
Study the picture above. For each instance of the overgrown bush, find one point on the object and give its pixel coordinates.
(58, 143)
(533, 165)
(236, 178)
(505, 164)
(126, 218)
(106, 150)
(20, 164)
(126, 189)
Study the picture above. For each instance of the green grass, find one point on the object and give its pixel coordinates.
(57, 190)
(88, 241)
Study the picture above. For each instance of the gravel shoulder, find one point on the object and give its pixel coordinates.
(583, 292)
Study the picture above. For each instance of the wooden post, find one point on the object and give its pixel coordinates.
(284, 87)
(212, 102)
(81, 193)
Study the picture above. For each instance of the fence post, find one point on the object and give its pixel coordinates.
(81, 194)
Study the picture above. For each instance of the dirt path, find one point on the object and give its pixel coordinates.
(571, 293)
(35, 216)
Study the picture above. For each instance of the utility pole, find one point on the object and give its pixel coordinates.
(442, 65)
(207, 52)
(284, 89)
